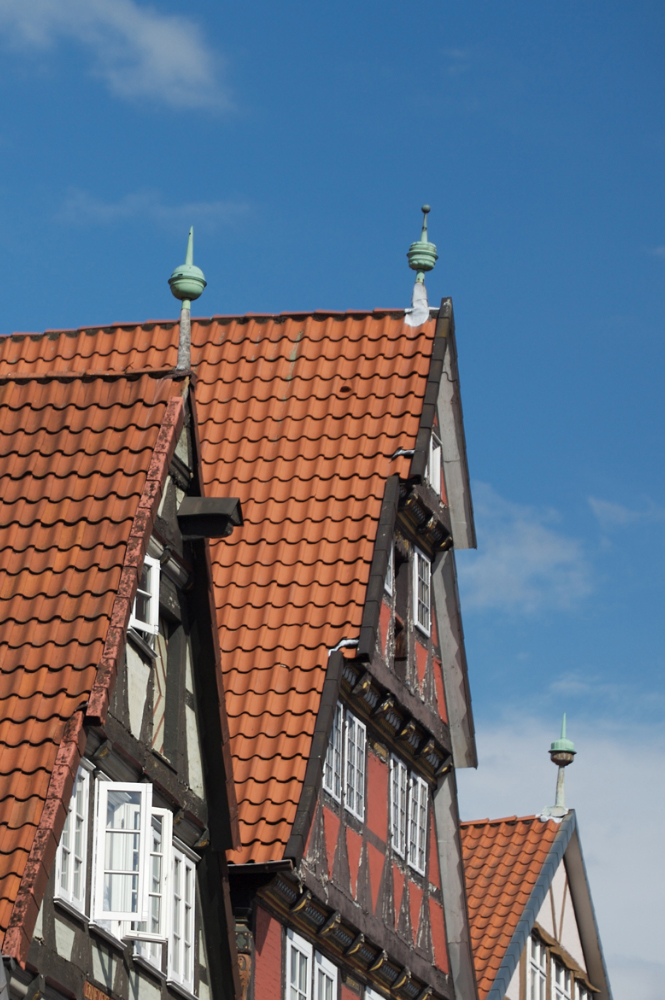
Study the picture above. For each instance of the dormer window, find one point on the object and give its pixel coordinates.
(422, 573)
(145, 613)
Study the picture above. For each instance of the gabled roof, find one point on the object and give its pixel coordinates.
(75, 458)
(298, 416)
(509, 865)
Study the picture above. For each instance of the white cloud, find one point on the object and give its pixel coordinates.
(83, 209)
(136, 49)
(615, 786)
(523, 564)
(658, 251)
(614, 515)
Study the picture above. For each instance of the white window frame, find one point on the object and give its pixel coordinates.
(355, 745)
(159, 936)
(418, 559)
(417, 825)
(67, 893)
(371, 994)
(389, 582)
(151, 626)
(399, 805)
(183, 918)
(536, 972)
(434, 463)
(297, 944)
(102, 791)
(333, 771)
(323, 967)
(567, 990)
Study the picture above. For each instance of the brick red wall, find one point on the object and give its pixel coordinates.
(268, 957)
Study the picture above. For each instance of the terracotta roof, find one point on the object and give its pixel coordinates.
(74, 456)
(502, 861)
(298, 416)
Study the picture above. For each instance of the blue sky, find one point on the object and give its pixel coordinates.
(301, 139)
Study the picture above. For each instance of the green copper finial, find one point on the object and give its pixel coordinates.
(422, 254)
(187, 281)
(563, 746)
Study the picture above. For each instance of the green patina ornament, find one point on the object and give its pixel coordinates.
(422, 254)
(562, 746)
(187, 281)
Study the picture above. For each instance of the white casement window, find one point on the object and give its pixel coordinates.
(536, 981)
(390, 572)
(399, 785)
(182, 940)
(434, 464)
(122, 851)
(145, 613)
(371, 994)
(422, 573)
(355, 737)
(309, 975)
(582, 993)
(562, 982)
(332, 768)
(325, 978)
(299, 955)
(72, 858)
(418, 794)
(344, 766)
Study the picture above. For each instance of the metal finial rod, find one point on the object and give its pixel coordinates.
(563, 727)
(187, 282)
(423, 236)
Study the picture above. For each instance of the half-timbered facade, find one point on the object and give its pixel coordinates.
(341, 649)
(533, 926)
(117, 801)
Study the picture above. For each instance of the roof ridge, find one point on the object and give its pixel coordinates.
(495, 822)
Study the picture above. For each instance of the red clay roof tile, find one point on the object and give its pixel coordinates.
(298, 416)
(502, 861)
(74, 459)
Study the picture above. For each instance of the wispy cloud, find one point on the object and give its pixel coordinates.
(458, 61)
(524, 563)
(614, 515)
(611, 786)
(137, 50)
(657, 251)
(81, 208)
